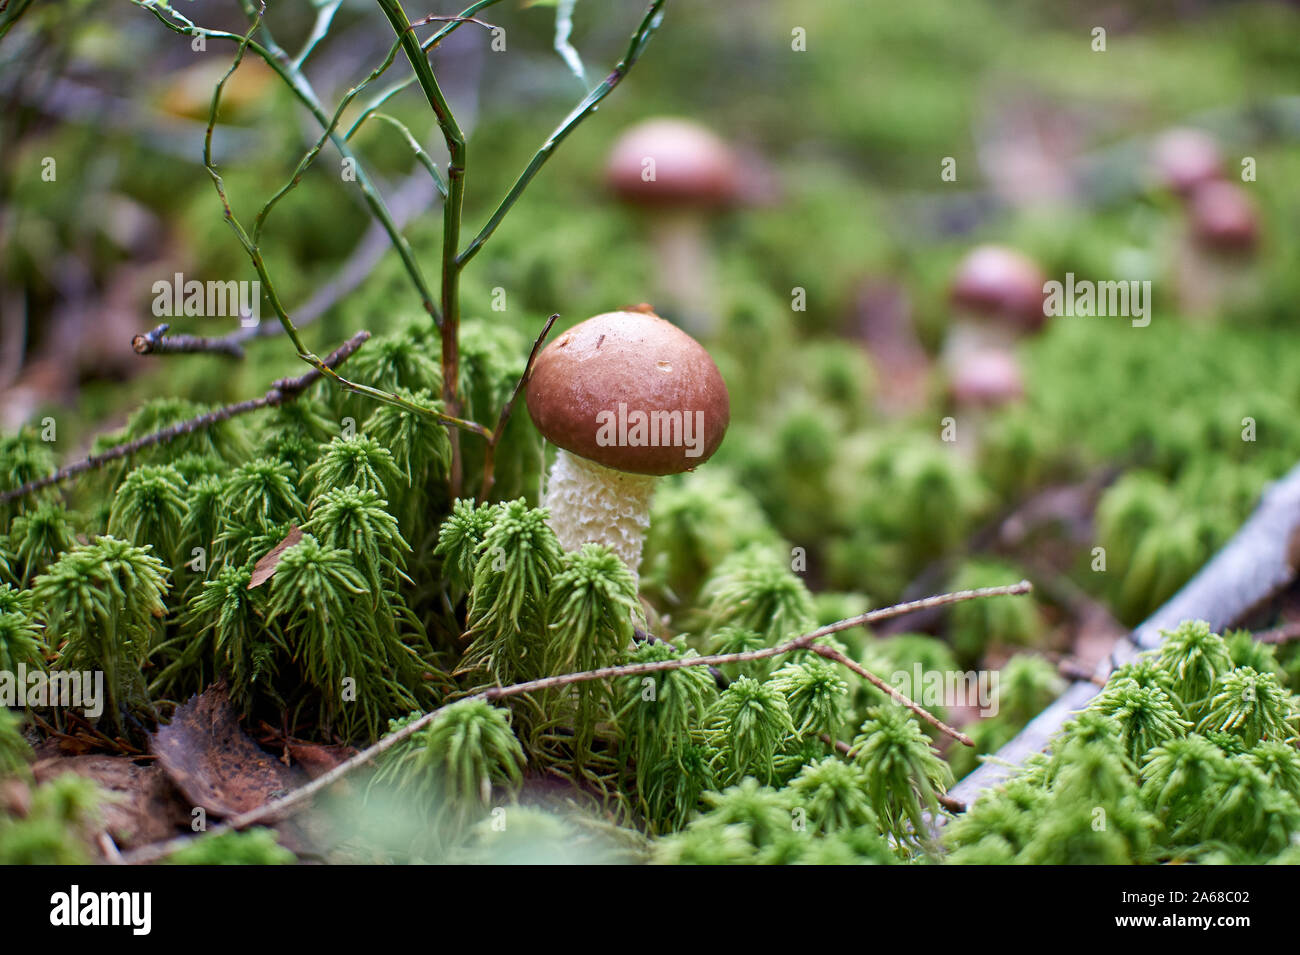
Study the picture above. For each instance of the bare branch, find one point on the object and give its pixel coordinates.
(286, 389)
(1254, 565)
(157, 342)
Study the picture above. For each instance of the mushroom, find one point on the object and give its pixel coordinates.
(1213, 260)
(678, 173)
(981, 382)
(1223, 218)
(627, 397)
(997, 297)
(987, 379)
(1183, 159)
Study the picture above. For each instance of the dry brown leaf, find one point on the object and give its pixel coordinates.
(144, 806)
(213, 763)
(264, 569)
(317, 760)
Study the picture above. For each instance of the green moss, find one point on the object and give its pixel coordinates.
(55, 828)
(103, 602)
(755, 590)
(250, 847)
(15, 752)
(977, 624)
(455, 767)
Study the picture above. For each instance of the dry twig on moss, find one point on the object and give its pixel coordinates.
(286, 389)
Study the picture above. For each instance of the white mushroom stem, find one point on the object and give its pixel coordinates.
(593, 504)
(968, 335)
(1209, 284)
(684, 263)
(982, 374)
(972, 426)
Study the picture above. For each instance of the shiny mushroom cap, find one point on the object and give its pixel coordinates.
(632, 392)
(998, 283)
(987, 378)
(673, 162)
(1183, 159)
(1223, 217)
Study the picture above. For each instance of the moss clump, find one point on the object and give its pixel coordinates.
(55, 827)
(103, 602)
(250, 847)
(1132, 781)
(455, 767)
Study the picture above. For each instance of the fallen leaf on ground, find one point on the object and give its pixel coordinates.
(143, 806)
(317, 760)
(265, 568)
(213, 763)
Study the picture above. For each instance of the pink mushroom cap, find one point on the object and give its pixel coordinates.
(1183, 159)
(691, 165)
(1001, 284)
(1224, 218)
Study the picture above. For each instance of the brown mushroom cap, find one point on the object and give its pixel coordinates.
(1001, 284)
(648, 366)
(989, 377)
(1185, 158)
(692, 166)
(1223, 217)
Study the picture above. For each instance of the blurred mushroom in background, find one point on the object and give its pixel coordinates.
(981, 382)
(997, 297)
(680, 175)
(1216, 255)
(1183, 159)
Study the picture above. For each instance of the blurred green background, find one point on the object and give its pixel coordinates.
(1050, 139)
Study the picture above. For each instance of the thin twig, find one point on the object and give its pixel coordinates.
(720, 679)
(429, 44)
(330, 130)
(1283, 634)
(158, 342)
(286, 389)
(408, 200)
(280, 62)
(841, 747)
(1076, 671)
(489, 457)
(272, 296)
(831, 653)
(278, 809)
(951, 803)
